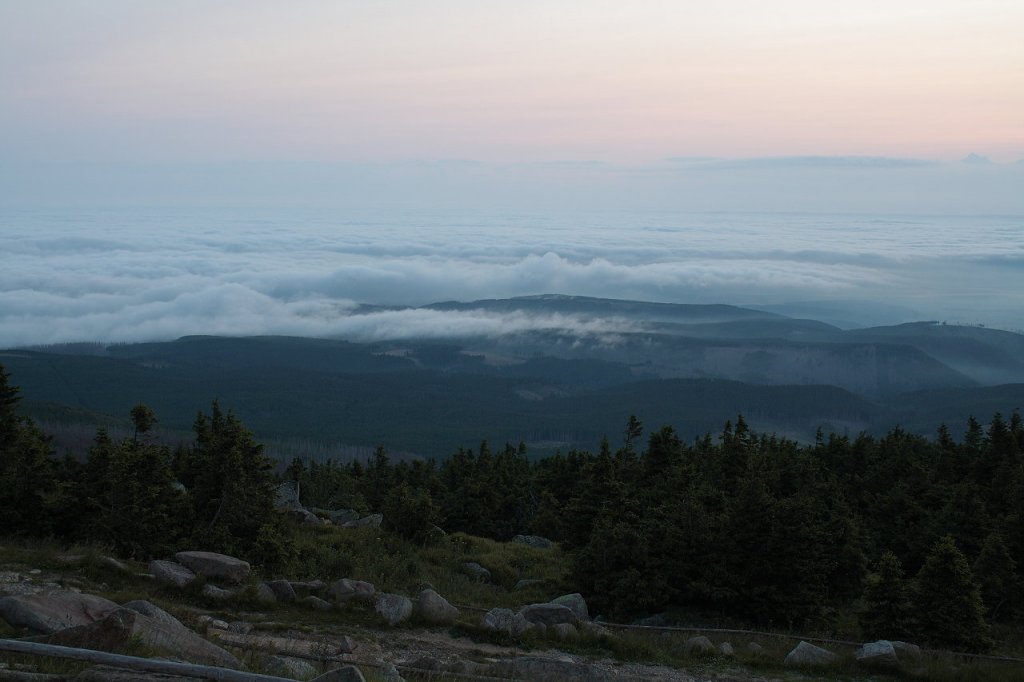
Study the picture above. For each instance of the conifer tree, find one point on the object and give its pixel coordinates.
(887, 611)
(947, 601)
(27, 471)
(996, 574)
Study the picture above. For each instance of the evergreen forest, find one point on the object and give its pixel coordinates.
(920, 538)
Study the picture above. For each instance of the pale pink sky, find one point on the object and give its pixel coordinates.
(191, 80)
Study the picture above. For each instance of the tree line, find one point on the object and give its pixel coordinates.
(921, 538)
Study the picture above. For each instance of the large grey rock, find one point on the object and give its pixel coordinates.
(283, 590)
(152, 611)
(548, 614)
(171, 572)
(433, 608)
(575, 603)
(288, 495)
(371, 521)
(806, 653)
(699, 646)
(476, 571)
(393, 608)
(46, 613)
(726, 649)
(124, 628)
(348, 673)
(906, 651)
(540, 669)
(533, 541)
(285, 666)
(504, 620)
(345, 590)
(526, 582)
(213, 565)
(880, 654)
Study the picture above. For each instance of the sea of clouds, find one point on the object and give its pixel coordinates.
(132, 274)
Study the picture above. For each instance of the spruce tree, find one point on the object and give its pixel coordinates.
(886, 612)
(948, 603)
(996, 575)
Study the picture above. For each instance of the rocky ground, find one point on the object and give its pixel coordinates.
(304, 630)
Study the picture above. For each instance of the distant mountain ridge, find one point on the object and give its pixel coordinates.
(555, 387)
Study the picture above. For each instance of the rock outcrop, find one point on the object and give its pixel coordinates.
(124, 628)
(54, 611)
(213, 565)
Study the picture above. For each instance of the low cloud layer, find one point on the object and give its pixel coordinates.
(134, 275)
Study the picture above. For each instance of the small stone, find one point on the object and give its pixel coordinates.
(283, 590)
(699, 646)
(880, 654)
(505, 621)
(535, 541)
(806, 653)
(476, 571)
(345, 590)
(725, 648)
(755, 649)
(265, 594)
(393, 608)
(435, 609)
(316, 603)
(240, 627)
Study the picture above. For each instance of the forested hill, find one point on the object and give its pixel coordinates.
(551, 388)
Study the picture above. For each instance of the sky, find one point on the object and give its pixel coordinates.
(256, 165)
(148, 90)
